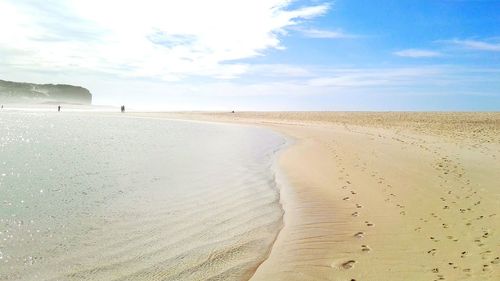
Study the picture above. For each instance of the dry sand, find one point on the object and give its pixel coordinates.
(384, 196)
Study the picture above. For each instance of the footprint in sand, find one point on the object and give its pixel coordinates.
(346, 198)
(344, 265)
(365, 248)
(359, 234)
(434, 239)
(496, 260)
(368, 223)
(485, 252)
(348, 264)
(359, 206)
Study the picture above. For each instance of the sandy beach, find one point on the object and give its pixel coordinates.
(383, 196)
(283, 140)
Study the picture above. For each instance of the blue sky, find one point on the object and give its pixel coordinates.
(260, 55)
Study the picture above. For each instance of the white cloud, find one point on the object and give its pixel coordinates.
(366, 77)
(326, 34)
(279, 70)
(417, 53)
(320, 84)
(146, 38)
(476, 45)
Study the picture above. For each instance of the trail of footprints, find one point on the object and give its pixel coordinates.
(351, 196)
(452, 174)
(449, 169)
(391, 197)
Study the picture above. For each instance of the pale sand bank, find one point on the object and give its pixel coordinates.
(384, 196)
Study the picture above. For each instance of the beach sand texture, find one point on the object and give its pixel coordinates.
(384, 196)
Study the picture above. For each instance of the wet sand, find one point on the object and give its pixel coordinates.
(384, 196)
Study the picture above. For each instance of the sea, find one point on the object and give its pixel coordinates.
(95, 196)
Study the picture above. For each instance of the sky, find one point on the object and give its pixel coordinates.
(380, 55)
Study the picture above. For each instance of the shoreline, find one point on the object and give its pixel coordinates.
(280, 180)
(207, 197)
(402, 198)
(280, 184)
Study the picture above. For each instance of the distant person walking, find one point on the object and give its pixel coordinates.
(123, 108)
(58, 108)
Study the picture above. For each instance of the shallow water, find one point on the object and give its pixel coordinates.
(95, 197)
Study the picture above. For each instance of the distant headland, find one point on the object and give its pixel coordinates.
(29, 93)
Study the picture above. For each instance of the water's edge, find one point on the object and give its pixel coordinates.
(109, 207)
(280, 180)
(281, 183)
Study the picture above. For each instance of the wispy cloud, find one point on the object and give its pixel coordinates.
(326, 34)
(324, 85)
(280, 71)
(417, 53)
(476, 45)
(370, 77)
(146, 38)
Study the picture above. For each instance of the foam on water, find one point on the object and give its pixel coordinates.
(94, 197)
